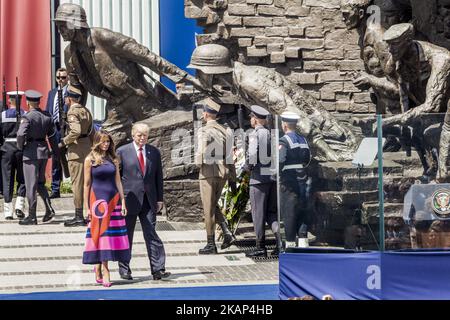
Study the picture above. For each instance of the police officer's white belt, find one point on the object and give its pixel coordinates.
(293, 167)
(11, 140)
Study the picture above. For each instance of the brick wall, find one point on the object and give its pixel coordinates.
(306, 40)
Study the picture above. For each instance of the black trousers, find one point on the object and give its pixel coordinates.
(155, 247)
(293, 203)
(57, 173)
(12, 169)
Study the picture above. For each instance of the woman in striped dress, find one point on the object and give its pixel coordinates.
(106, 238)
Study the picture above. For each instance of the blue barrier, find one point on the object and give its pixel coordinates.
(396, 275)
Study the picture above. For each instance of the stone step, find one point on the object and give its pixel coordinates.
(75, 279)
(62, 263)
(65, 251)
(77, 237)
(342, 202)
(400, 157)
(337, 170)
(65, 203)
(370, 213)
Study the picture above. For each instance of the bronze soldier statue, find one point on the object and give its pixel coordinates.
(423, 71)
(256, 85)
(109, 65)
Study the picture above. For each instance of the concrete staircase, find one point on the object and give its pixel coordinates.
(48, 257)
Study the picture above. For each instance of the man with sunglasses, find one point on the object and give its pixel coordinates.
(53, 107)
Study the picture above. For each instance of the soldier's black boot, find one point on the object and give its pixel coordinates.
(228, 238)
(259, 252)
(279, 246)
(210, 247)
(78, 221)
(49, 211)
(19, 214)
(20, 202)
(30, 220)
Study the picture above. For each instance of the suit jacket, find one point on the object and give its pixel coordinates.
(51, 101)
(212, 156)
(34, 128)
(136, 185)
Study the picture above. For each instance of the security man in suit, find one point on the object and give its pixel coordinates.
(78, 140)
(12, 158)
(214, 156)
(34, 128)
(53, 107)
(263, 190)
(294, 158)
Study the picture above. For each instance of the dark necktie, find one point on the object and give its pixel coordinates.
(141, 160)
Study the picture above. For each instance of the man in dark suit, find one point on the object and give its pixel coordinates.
(141, 171)
(53, 105)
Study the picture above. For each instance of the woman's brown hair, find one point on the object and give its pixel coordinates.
(96, 153)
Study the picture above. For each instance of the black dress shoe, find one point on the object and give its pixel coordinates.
(257, 253)
(158, 275)
(9, 218)
(54, 195)
(75, 223)
(28, 221)
(126, 277)
(275, 252)
(20, 215)
(49, 215)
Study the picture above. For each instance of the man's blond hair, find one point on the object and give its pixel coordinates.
(140, 127)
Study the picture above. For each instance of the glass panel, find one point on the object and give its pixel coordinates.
(417, 208)
(326, 202)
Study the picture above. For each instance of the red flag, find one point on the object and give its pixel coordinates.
(25, 45)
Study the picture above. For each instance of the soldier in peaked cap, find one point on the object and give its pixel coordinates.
(12, 158)
(78, 140)
(295, 157)
(262, 187)
(34, 128)
(216, 167)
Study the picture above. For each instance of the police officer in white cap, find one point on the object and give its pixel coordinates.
(295, 157)
(12, 158)
(34, 128)
(263, 190)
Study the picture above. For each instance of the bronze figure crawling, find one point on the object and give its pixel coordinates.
(266, 87)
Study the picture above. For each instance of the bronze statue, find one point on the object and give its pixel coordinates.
(266, 87)
(381, 69)
(110, 65)
(374, 50)
(423, 71)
